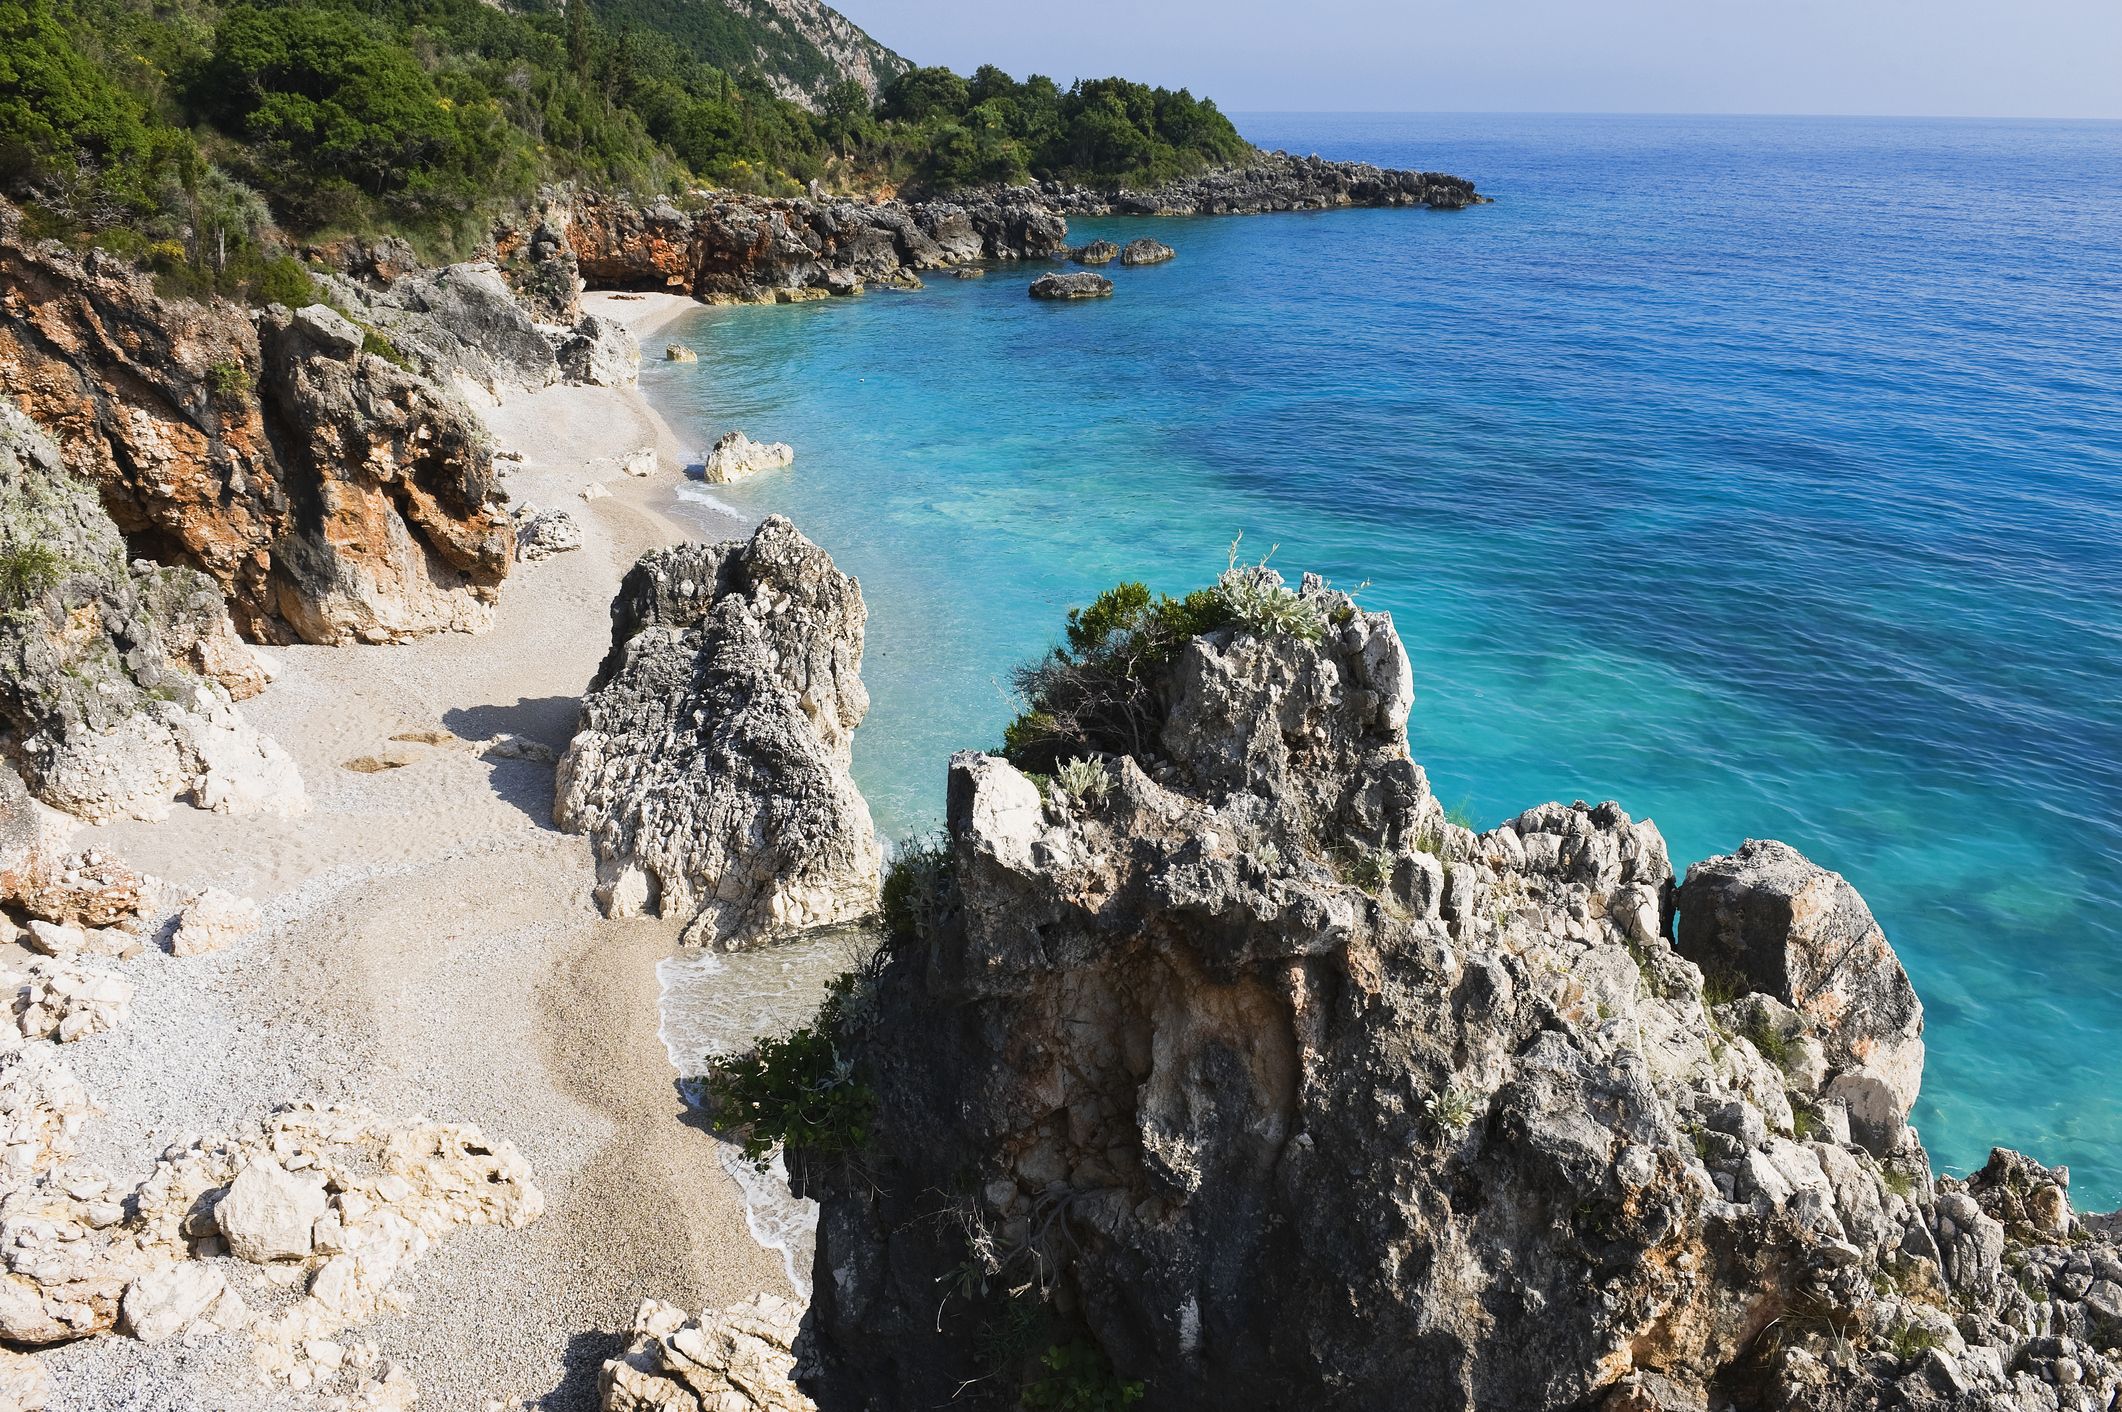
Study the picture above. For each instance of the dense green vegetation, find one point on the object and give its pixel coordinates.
(799, 1090)
(186, 131)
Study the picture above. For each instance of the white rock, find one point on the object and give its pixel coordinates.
(167, 1300)
(641, 463)
(268, 1211)
(737, 456)
(24, 1385)
(595, 491)
(214, 920)
(56, 939)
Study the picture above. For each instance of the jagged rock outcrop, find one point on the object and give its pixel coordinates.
(738, 1359)
(392, 482)
(1083, 285)
(735, 457)
(539, 265)
(1271, 181)
(710, 769)
(117, 679)
(1098, 252)
(1231, 1067)
(848, 51)
(600, 353)
(731, 248)
(1145, 251)
(211, 450)
(458, 325)
(1774, 923)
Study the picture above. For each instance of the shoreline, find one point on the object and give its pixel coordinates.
(431, 947)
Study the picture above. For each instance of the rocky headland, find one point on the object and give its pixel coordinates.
(721, 247)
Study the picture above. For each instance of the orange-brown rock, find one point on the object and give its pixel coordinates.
(349, 503)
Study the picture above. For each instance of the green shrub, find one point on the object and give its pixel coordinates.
(283, 280)
(1084, 779)
(916, 887)
(230, 381)
(1078, 1377)
(800, 1091)
(27, 570)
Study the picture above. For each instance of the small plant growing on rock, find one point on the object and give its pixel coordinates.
(1453, 1109)
(917, 887)
(1079, 1378)
(1256, 599)
(1084, 779)
(229, 381)
(27, 570)
(1370, 869)
(800, 1090)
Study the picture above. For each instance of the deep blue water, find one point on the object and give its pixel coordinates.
(1760, 474)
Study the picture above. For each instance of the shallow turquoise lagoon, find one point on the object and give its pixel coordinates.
(1762, 475)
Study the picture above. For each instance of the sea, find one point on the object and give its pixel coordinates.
(1761, 474)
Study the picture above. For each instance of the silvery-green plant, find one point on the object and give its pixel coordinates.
(1084, 779)
(1257, 599)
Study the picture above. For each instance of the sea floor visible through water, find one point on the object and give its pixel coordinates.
(1758, 474)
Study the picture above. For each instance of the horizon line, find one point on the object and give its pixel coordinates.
(1664, 113)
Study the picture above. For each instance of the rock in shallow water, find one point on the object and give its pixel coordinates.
(1081, 285)
(736, 457)
(710, 768)
(1146, 252)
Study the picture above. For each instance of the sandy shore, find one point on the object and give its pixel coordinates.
(432, 948)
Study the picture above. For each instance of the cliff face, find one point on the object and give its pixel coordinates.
(117, 678)
(847, 49)
(1233, 1068)
(332, 496)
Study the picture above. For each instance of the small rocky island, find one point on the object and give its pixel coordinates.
(1081, 285)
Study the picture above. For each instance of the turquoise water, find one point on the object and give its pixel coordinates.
(1760, 474)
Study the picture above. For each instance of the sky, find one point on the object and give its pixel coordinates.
(1943, 58)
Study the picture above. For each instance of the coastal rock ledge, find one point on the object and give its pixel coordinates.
(1224, 1070)
(710, 770)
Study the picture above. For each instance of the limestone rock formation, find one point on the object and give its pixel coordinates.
(679, 353)
(1098, 252)
(540, 534)
(1146, 252)
(213, 921)
(316, 500)
(116, 676)
(710, 769)
(1778, 924)
(601, 353)
(458, 325)
(739, 1359)
(1083, 285)
(1228, 1066)
(735, 456)
(396, 492)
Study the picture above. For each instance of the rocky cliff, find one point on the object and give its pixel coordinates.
(710, 769)
(118, 678)
(331, 494)
(726, 247)
(1220, 1069)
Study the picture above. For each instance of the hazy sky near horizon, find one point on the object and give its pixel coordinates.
(2014, 58)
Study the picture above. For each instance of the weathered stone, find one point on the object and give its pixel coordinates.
(679, 353)
(601, 353)
(1767, 917)
(1083, 285)
(170, 1298)
(1145, 251)
(738, 1360)
(542, 534)
(1098, 252)
(710, 769)
(212, 921)
(268, 1212)
(736, 457)
(24, 1384)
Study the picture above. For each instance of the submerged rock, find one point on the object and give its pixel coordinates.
(1077, 286)
(1146, 252)
(710, 769)
(1225, 1064)
(736, 456)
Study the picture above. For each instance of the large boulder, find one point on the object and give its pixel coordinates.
(1218, 1067)
(460, 324)
(739, 1359)
(601, 353)
(1774, 922)
(1145, 251)
(116, 696)
(735, 457)
(710, 769)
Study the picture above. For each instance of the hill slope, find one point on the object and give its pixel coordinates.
(801, 48)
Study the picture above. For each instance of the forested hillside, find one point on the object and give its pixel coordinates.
(191, 132)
